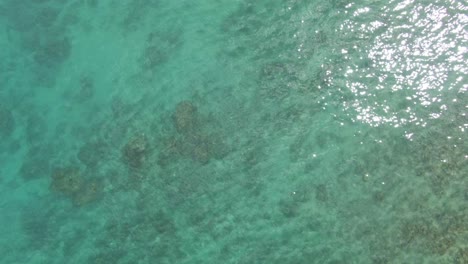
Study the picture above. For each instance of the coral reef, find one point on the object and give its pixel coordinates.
(462, 256)
(89, 193)
(141, 229)
(321, 193)
(92, 153)
(137, 10)
(71, 183)
(202, 148)
(153, 57)
(7, 122)
(67, 181)
(440, 244)
(289, 208)
(107, 256)
(45, 17)
(85, 89)
(169, 151)
(276, 80)
(429, 237)
(185, 117)
(26, 16)
(439, 160)
(290, 205)
(136, 151)
(37, 224)
(191, 141)
(53, 52)
(36, 127)
(35, 167)
(160, 47)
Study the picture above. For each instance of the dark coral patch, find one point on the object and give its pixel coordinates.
(34, 167)
(92, 153)
(72, 184)
(67, 181)
(53, 52)
(193, 139)
(185, 117)
(136, 151)
(90, 192)
(7, 122)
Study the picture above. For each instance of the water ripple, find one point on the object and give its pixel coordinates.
(404, 66)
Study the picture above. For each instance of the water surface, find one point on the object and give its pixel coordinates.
(155, 131)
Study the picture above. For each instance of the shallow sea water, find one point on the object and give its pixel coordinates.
(292, 132)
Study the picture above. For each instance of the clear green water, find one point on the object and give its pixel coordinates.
(156, 131)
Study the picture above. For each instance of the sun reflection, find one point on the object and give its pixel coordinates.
(407, 66)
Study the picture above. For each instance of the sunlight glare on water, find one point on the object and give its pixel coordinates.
(233, 132)
(410, 64)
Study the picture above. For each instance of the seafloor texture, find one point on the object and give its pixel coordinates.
(237, 132)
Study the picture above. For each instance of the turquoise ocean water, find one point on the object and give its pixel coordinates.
(237, 132)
